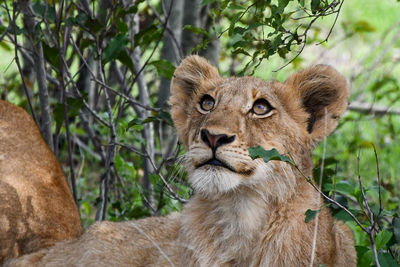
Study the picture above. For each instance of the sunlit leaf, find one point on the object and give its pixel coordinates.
(382, 238)
(164, 68)
(267, 155)
(363, 26)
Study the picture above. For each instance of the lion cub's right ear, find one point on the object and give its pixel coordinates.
(191, 76)
(323, 94)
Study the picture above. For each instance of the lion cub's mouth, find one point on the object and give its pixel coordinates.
(216, 162)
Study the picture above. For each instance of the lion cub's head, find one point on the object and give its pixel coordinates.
(218, 119)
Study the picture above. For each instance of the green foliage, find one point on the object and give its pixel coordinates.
(385, 239)
(254, 36)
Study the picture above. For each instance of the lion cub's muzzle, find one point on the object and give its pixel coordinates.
(213, 141)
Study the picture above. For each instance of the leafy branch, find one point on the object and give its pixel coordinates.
(273, 154)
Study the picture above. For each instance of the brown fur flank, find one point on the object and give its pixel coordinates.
(36, 206)
(245, 212)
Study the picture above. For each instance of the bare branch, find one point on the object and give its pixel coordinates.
(372, 109)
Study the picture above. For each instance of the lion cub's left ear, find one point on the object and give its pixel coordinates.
(318, 88)
(189, 78)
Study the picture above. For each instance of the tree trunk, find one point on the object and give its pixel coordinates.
(148, 130)
(30, 23)
(170, 51)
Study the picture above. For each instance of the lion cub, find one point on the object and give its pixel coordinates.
(245, 212)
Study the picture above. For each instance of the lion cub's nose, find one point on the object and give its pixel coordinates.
(215, 140)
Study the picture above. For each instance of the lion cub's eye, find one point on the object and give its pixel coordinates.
(207, 103)
(261, 107)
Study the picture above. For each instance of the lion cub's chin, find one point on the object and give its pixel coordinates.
(211, 180)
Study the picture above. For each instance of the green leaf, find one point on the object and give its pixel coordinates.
(363, 253)
(74, 106)
(386, 260)
(310, 214)
(206, 2)
(136, 124)
(315, 5)
(86, 207)
(45, 12)
(164, 68)
(234, 19)
(122, 26)
(147, 35)
(125, 59)
(363, 26)
(342, 187)
(236, 6)
(282, 5)
(5, 46)
(166, 117)
(367, 258)
(114, 47)
(382, 238)
(51, 54)
(196, 30)
(94, 25)
(343, 216)
(267, 155)
(78, 20)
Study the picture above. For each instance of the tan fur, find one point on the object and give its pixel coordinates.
(248, 214)
(36, 206)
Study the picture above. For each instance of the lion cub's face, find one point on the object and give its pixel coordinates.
(219, 119)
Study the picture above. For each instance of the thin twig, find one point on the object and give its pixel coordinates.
(304, 35)
(378, 181)
(61, 47)
(101, 83)
(310, 181)
(137, 74)
(15, 41)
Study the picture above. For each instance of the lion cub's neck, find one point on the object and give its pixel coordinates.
(225, 229)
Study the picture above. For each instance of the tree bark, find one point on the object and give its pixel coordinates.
(197, 15)
(212, 51)
(170, 50)
(30, 23)
(148, 129)
(191, 16)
